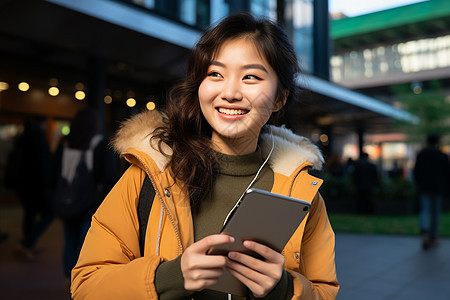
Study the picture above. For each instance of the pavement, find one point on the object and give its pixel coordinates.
(38, 279)
(384, 267)
(370, 267)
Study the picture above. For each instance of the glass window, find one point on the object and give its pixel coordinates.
(191, 12)
(408, 57)
(267, 8)
(299, 20)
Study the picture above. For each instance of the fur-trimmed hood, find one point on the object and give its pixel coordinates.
(289, 153)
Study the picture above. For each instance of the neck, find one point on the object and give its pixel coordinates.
(234, 146)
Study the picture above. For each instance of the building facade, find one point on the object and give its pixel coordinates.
(400, 56)
(122, 56)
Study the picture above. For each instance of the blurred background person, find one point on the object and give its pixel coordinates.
(28, 174)
(83, 142)
(432, 177)
(366, 180)
(334, 166)
(396, 171)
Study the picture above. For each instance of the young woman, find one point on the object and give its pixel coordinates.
(201, 154)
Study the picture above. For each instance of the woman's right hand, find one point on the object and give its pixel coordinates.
(199, 269)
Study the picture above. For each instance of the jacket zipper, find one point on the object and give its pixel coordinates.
(177, 233)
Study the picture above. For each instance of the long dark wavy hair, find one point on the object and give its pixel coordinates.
(185, 130)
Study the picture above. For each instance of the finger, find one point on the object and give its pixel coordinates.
(240, 259)
(259, 282)
(268, 253)
(254, 269)
(245, 274)
(203, 262)
(256, 282)
(273, 262)
(198, 273)
(248, 266)
(213, 240)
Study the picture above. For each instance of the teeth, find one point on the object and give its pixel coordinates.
(232, 111)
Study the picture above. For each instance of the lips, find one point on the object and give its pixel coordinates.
(232, 112)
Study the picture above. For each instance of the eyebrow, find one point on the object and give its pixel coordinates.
(255, 66)
(249, 66)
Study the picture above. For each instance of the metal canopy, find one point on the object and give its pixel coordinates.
(323, 104)
(136, 20)
(352, 98)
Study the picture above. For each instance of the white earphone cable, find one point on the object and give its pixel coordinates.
(254, 178)
(263, 164)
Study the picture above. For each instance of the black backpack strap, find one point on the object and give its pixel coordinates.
(146, 197)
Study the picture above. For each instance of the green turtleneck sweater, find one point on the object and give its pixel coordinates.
(235, 174)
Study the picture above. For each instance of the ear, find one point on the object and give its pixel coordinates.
(281, 101)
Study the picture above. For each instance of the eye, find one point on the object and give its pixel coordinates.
(214, 74)
(251, 77)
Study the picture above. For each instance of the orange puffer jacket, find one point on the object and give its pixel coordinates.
(110, 266)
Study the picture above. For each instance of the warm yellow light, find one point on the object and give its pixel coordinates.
(23, 86)
(80, 95)
(107, 99)
(131, 102)
(324, 138)
(53, 91)
(151, 105)
(3, 86)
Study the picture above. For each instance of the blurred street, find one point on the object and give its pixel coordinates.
(378, 267)
(385, 267)
(41, 279)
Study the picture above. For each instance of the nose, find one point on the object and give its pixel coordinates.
(232, 90)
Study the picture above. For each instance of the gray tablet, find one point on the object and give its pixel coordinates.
(263, 217)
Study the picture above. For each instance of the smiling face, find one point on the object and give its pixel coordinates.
(237, 96)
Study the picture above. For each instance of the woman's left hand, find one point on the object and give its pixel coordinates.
(258, 275)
